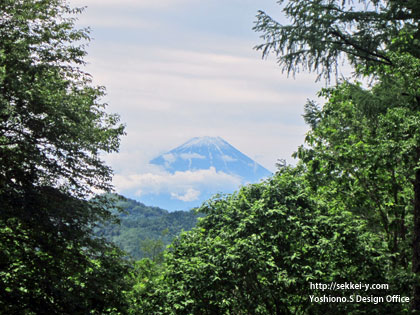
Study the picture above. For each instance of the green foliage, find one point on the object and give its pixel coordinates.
(360, 155)
(50, 262)
(362, 152)
(52, 128)
(144, 231)
(52, 123)
(145, 296)
(257, 251)
(364, 149)
(323, 33)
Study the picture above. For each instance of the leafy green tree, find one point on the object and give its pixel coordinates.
(153, 248)
(258, 250)
(356, 156)
(362, 151)
(381, 40)
(52, 128)
(146, 295)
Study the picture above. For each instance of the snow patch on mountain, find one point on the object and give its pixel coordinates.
(189, 156)
(228, 158)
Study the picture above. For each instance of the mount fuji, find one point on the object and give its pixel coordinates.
(190, 174)
(202, 153)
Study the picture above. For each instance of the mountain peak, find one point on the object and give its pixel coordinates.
(202, 141)
(201, 153)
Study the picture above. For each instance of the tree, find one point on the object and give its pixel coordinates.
(380, 39)
(146, 295)
(153, 248)
(356, 156)
(53, 125)
(323, 33)
(52, 129)
(357, 159)
(362, 152)
(257, 251)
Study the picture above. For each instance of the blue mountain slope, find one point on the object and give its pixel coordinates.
(201, 153)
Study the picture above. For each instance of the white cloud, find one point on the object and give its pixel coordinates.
(161, 81)
(181, 184)
(190, 195)
(167, 96)
(113, 21)
(172, 81)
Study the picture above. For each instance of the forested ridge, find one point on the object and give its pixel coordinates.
(348, 211)
(143, 231)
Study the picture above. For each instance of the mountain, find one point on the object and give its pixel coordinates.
(202, 153)
(193, 172)
(141, 225)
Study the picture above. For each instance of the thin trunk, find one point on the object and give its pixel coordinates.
(403, 231)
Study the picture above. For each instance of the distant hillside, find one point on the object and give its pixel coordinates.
(140, 223)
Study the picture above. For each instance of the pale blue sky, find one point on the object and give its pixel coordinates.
(177, 69)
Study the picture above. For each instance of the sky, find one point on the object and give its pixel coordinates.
(177, 69)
